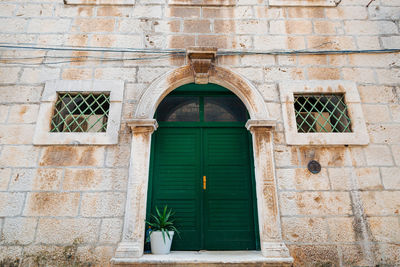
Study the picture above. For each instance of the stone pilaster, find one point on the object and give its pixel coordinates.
(272, 245)
(132, 242)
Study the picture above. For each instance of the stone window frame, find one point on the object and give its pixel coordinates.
(315, 3)
(202, 2)
(43, 136)
(100, 2)
(359, 134)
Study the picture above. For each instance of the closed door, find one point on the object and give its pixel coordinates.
(203, 172)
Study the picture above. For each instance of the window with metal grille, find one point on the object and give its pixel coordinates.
(321, 113)
(77, 112)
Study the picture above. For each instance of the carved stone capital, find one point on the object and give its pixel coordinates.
(142, 125)
(251, 125)
(201, 60)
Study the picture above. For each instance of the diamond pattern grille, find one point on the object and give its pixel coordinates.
(321, 113)
(77, 112)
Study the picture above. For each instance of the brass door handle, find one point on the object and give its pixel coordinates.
(204, 182)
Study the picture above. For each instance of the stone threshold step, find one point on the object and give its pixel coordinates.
(204, 258)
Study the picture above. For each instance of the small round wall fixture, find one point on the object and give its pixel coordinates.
(314, 167)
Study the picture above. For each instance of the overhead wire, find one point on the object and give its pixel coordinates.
(155, 53)
(77, 60)
(305, 52)
(91, 48)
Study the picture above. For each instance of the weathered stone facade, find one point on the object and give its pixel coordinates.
(58, 201)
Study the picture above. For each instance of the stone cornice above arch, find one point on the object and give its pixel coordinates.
(251, 124)
(142, 125)
(236, 83)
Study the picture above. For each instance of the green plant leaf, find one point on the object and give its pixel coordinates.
(163, 234)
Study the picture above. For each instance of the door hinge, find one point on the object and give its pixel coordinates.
(204, 182)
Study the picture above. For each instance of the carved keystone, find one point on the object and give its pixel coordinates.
(201, 59)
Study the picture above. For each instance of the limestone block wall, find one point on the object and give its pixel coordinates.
(68, 201)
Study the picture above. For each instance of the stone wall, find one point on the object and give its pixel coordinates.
(58, 198)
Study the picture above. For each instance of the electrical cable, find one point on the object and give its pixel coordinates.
(78, 59)
(162, 53)
(308, 52)
(182, 51)
(93, 49)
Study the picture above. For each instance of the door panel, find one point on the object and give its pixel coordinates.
(228, 210)
(176, 181)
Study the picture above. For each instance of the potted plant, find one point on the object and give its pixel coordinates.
(163, 229)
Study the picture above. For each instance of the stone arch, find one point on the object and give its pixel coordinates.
(234, 82)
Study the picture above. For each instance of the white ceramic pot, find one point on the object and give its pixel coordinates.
(158, 246)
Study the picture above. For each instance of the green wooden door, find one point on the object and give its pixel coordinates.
(228, 207)
(176, 181)
(221, 216)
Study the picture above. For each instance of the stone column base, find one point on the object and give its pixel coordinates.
(275, 250)
(129, 250)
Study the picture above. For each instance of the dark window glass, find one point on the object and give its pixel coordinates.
(226, 108)
(76, 112)
(179, 108)
(321, 113)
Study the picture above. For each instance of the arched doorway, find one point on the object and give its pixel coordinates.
(201, 167)
(143, 125)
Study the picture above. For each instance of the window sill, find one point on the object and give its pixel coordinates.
(202, 2)
(75, 139)
(320, 3)
(100, 2)
(327, 139)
